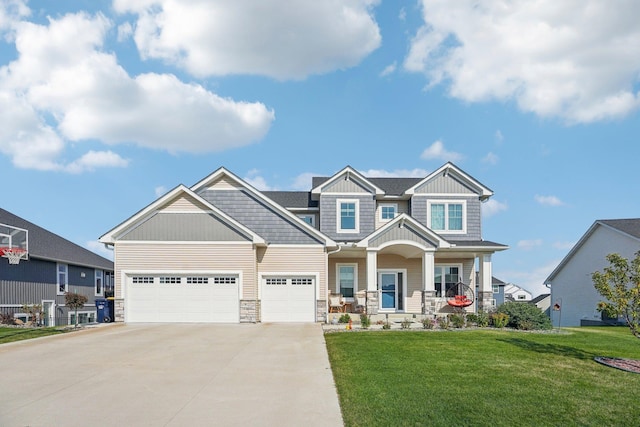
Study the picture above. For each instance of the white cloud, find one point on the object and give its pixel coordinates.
(499, 136)
(548, 200)
(303, 181)
(490, 158)
(491, 207)
(533, 280)
(11, 11)
(160, 190)
(93, 160)
(99, 248)
(437, 151)
(574, 59)
(398, 173)
(565, 246)
(529, 244)
(276, 38)
(124, 31)
(253, 178)
(389, 69)
(64, 88)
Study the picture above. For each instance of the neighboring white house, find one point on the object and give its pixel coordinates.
(573, 297)
(516, 293)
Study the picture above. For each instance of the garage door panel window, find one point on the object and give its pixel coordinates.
(302, 281)
(170, 280)
(141, 279)
(276, 281)
(225, 280)
(197, 280)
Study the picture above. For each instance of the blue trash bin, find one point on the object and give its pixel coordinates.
(102, 310)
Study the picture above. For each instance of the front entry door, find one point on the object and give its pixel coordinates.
(391, 290)
(49, 313)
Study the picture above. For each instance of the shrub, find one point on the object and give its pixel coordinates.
(386, 325)
(428, 323)
(406, 323)
(7, 319)
(472, 319)
(526, 315)
(500, 320)
(457, 320)
(365, 321)
(482, 319)
(444, 322)
(344, 318)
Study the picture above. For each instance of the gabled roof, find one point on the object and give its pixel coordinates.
(402, 219)
(44, 244)
(628, 227)
(222, 172)
(449, 168)
(349, 173)
(112, 235)
(292, 199)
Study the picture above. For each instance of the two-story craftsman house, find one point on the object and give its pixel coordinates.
(222, 251)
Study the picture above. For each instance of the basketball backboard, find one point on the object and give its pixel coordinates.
(14, 238)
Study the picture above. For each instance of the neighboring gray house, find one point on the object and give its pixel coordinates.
(223, 251)
(543, 302)
(572, 289)
(52, 266)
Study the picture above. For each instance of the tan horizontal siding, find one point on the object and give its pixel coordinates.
(295, 260)
(184, 203)
(181, 257)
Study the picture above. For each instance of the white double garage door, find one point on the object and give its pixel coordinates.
(215, 298)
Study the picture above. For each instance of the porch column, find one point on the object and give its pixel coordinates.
(485, 292)
(372, 282)
(428, 283)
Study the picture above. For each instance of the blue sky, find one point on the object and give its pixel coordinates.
(105, 105)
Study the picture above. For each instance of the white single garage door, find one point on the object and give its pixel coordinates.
(178, 298)
(288, 299)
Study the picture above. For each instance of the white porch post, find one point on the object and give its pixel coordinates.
(485, 294)
(372, 282)
(428, 283)
(428, 271)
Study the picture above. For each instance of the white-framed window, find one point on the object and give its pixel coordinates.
(496, 289)
(348, 218)
(447, 215)
(388, 211)
(99, 284)
(23, 317)
(309, 219)
(521, 297)
(83, 317)
(347, 279)
(445, 279)
(63, 278)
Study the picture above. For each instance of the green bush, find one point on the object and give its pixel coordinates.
(428, 323)
(482, 319)
(365, 321)
(524, 316)
(472, 319)
(500, 320)
(344, 318)
(457, 320)
(405, 324)
(444, 322)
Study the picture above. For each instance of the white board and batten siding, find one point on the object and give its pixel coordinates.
(292, 279)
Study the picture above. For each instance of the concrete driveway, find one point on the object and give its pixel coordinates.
(171, 375)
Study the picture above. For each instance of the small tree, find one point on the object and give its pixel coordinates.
(74, 302)
(34, 311)
(619, 284)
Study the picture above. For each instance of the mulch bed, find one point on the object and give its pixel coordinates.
(629, 365)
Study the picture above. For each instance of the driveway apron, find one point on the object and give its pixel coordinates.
(171, 375)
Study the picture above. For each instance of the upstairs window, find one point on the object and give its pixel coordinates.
(388, 211)
(309, 219)
(63, 279)
(447, 216)
(348, 221)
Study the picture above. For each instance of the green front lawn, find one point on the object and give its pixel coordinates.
(485, 378)
(19, 334)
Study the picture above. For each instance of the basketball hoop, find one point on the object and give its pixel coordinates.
(14, 255)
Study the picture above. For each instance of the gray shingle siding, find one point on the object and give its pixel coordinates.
(259, 217)
(444, 185)
(328, 216)
(184, 227)
(397, 233)
(346, 186)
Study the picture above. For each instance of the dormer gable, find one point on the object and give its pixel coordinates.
(450, 179)
(347, 181)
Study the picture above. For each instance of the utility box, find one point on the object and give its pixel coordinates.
(102, 310)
